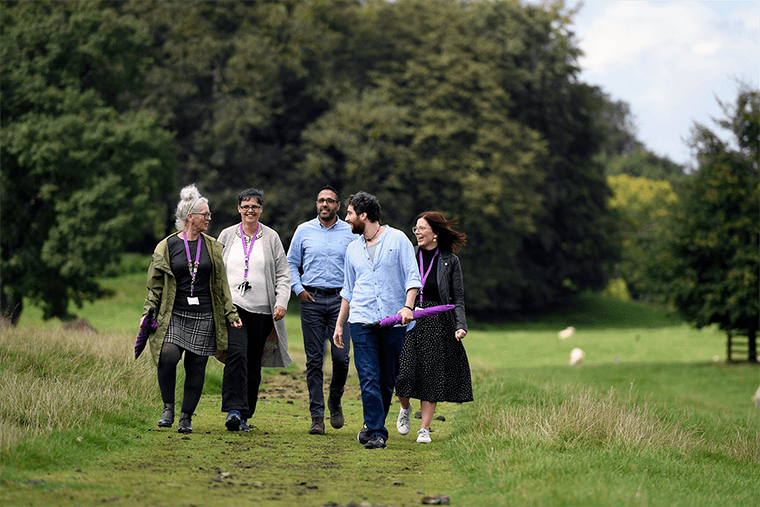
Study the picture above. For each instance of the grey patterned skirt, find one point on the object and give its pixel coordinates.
(192, 331)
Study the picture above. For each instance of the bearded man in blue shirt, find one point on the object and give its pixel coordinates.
(380, 278)
(316, 257)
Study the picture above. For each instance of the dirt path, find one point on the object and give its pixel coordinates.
(278, 463)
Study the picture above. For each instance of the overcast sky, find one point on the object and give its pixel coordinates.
(669, 60)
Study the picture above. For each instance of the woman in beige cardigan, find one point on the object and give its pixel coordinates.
(259, 280)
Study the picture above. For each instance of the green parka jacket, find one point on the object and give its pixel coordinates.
(162, 289)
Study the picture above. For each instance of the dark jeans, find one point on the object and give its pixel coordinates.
(318, 324)
(376, 356)
(242, 371)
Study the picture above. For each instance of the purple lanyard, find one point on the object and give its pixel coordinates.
(425, 275)
(192, 266)
(246, 252)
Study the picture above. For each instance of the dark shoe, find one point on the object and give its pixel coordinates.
(376, 442)
(185, 423)
(336, 412)
(244, 425)
(167, 418)
(317, 426)
(233, 420)
(363, 435)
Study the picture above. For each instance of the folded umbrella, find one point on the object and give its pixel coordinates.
(416, 314)
(147, 325)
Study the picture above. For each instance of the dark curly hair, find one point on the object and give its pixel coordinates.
(363, 202)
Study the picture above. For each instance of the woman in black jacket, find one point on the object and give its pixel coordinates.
(434, 366)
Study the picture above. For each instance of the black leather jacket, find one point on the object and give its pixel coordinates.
(450, 284)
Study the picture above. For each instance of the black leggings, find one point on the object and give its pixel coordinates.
(195, 374)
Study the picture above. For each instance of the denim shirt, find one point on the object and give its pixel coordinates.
(320, 252)
(376, 290)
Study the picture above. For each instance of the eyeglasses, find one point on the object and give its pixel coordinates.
(419, 229)
(206, 215)
(249, 207)
(328, 201)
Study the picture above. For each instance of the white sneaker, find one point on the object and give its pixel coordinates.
(403, 424)
(423, 436)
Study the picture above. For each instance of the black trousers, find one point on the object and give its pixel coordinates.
(242, 370)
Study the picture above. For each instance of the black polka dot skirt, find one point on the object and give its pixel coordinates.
(434, 365)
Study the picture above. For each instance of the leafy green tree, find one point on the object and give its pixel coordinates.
(238, 82)
(644, 207)
(644, 164)
(474, 109)
(621, 150)
(714, 256)
(619, 124)
(80, 167)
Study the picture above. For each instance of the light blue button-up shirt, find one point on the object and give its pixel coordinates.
(376, 290)
(321, 252)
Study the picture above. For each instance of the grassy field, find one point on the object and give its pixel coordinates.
(649, 418)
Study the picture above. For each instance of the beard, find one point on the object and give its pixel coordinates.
(357, 228)
(327, 215)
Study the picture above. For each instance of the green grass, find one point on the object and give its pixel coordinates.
(648, 434)
(637, 338)
(649, 418)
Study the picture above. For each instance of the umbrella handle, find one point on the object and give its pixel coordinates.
(147, 323)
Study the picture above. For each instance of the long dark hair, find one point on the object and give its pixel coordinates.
(448, 238)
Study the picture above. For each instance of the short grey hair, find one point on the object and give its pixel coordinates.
(190, 199)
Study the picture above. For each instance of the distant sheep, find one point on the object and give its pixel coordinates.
(756, 398)
(566, 333)
(576, 356)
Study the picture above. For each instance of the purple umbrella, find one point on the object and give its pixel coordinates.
(147, 326)
(416, 314)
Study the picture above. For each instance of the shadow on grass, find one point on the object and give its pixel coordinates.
(589, 311)
(717, 387)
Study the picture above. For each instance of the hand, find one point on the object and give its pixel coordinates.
(406, 315)
(305, 296)
(279, 313)
(461, 333)
(338, 336)
(238, 324)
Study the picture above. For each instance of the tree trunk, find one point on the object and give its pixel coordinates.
(10, 308)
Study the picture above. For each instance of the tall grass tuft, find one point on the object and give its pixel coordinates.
(743, 445)
(57, 380)
(528, 440)
(570, 418)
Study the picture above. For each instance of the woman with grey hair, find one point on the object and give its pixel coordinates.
(187, 285)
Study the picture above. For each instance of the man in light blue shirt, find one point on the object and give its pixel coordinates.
(380, 279)
(316, 257)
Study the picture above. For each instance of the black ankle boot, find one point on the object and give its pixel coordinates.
(167, 418)
(185, 423)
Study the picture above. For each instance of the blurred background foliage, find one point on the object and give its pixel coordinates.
(474, 109)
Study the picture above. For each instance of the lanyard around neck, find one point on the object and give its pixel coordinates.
(192, 266)
(424, 274)
(247, 252)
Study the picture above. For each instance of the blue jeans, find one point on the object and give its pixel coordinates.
(318, 319)
(376, 356)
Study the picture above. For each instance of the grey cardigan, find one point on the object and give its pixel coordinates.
(450, 284)
(277, 276)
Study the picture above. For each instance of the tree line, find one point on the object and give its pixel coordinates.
(474, 109)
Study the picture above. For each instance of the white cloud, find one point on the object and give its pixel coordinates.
(706, 48)
(669, 60)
